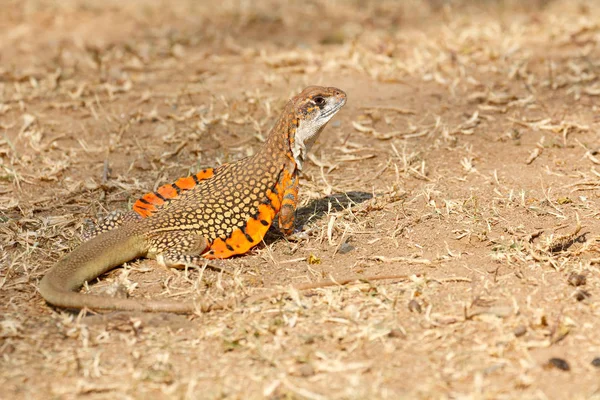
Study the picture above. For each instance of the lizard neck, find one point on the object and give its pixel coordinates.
(293, 135)
(280, 142)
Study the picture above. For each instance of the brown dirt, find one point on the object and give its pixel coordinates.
(465, 159)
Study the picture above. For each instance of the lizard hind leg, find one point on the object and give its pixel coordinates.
(113, 220)
(177, 249)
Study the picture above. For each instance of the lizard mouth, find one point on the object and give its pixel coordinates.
(335, 108)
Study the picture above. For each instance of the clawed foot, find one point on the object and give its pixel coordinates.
(298, 236)
(184, 262)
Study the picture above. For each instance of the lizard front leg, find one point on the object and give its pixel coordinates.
(287, 213)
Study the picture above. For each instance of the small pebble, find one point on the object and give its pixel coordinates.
(345, 248)
(161, 130)
(520, 330)
(309, 339)
(575, 279)
(596, 362)
(558, 363)
(581, 295)
(414, 306)
(396, 333)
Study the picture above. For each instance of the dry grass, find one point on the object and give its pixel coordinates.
(466, 160)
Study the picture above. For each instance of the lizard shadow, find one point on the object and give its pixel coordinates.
(316, 208)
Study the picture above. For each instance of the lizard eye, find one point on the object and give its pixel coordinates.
(319, 100)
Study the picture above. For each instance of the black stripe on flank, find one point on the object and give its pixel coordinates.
(228, 247)
(160, 196)
(249, 238)
(177, 188)
(142, 200)
(142, 207)
(196, 179)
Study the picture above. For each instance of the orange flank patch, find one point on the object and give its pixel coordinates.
(185, 183)
(146, 205)
(240, 240)
(167, 191)
(149, 203)
(204, 174)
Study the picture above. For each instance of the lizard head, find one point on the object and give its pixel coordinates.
(313, 108)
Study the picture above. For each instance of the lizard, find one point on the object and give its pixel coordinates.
(214, 214)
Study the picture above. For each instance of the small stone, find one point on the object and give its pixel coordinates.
(143, 164)
(117, 290)
(414, 306)
(520, 330)
(558, 363)
(581, 295)
(161, 130)
(596, 362)
(309, 339)
(396, 333)
(9, 349)
(575, 279)
(345, 248)
(89, 184)
(306, 370)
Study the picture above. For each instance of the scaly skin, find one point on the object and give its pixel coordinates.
(217, 213)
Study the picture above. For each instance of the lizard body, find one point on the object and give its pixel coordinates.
(216, 213)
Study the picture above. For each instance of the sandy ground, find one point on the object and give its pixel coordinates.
(465, 159)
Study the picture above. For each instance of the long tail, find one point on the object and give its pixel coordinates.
(108, 250)
(93, 258)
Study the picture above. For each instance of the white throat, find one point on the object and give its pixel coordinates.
(306, 135)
